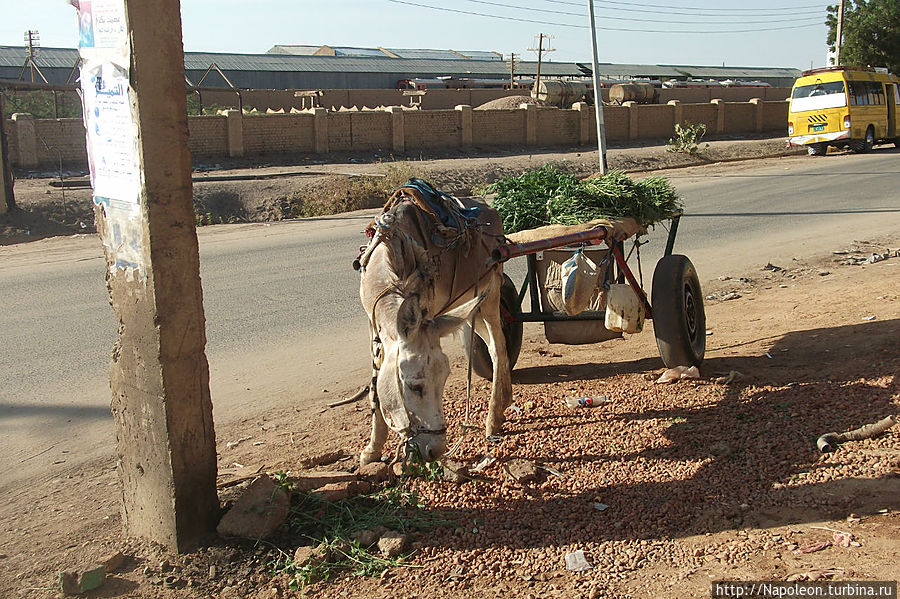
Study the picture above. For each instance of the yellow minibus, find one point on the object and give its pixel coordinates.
(844, 106)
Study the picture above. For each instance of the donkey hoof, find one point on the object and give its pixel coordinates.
(493, 430)
(368, 457)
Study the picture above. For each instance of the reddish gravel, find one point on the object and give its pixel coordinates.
(703, 480)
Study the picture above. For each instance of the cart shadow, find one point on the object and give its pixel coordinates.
(749, 449)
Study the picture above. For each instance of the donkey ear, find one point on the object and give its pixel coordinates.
(409, 317)
(451, 321)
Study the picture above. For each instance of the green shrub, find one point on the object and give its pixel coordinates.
(687, 138)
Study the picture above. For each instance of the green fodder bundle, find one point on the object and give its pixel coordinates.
(523, 201)
(546, 196)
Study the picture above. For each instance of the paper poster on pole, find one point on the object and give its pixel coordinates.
(111, 129)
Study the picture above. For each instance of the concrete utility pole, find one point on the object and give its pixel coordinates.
(159, 374)
(512, 70)
(598, 96)
(839, 34)
(540, 51)
(7, 199)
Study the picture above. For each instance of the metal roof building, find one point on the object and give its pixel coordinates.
(310, 71)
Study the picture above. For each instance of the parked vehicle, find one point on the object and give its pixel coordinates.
(844, 106)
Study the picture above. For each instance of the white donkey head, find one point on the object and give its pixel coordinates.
(412, 377)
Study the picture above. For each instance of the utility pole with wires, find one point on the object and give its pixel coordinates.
(540, 52)
(598, 96)
(513, 60)
(839, 34)
(33, 43)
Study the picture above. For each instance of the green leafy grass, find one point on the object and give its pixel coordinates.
(548, 196)
(330, 527)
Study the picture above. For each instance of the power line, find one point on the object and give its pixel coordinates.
(787, 9)
(545, 22)
(608, 18)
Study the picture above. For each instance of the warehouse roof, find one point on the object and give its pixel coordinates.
(303, 50)
(14, 56)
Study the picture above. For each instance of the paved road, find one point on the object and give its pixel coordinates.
(284, 321)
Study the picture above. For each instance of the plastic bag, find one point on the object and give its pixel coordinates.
(624, 310)
(579, 282)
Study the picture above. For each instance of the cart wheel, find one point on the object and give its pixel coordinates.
(482, 364)
(679, 321)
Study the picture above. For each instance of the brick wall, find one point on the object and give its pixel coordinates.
(432, 129)
(373, 130)
(276, 133)
(12, 140)
(775, 116)
(615, 120)
(701, 113)
(60, 139)
(498, 127)
(370, 130)
(208, 136)
(558, 127)
(739, 117)
(653, 121)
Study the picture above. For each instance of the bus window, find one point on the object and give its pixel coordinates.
(818, 96)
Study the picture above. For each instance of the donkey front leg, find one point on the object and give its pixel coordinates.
(501, 388)
(372, 452)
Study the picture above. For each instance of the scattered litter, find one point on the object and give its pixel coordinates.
(232, 444)
(813, 548)
(868, 318)
(516, 409)
(258, 443)
(768, 355)
(824, 273)
(772, 267)
(844, 539)
(783, 286)
(485, 462)
(577, 562)
(724, 278)
(600, 507)
(708, 333)
(732, 377)
(814, 574)
(677, 373)
(724, 296)
(551, 470)
(586, 402)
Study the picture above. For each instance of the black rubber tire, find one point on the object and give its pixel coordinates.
(819, 149)
(482, 365)
(679, 320)
(869, 142)
(897, 142)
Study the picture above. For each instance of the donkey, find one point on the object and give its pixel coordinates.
(425, 272)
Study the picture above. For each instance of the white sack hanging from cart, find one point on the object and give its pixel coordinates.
(624, 310)
(579, 282)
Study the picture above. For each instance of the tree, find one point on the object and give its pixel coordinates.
(871, 33)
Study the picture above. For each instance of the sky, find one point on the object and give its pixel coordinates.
(685, 32)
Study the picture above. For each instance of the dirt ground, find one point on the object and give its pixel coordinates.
(312, 185)
(702, 480)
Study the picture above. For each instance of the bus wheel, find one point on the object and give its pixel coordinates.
(818, 149)
(869, 142)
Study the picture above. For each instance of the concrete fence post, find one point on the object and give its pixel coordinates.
(720, 115)
(531, 118)
(320, 130)
(632, 119)
(677, 112)
(585, 122)
(234, 123)
(27, 140)
(465, 125)
(758, 124)
(398, 130)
